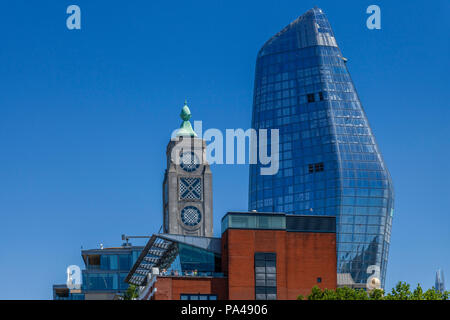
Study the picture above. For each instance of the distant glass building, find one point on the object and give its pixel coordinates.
(330, 163)
(440, 282)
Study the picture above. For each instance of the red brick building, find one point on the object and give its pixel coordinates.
(259, 256)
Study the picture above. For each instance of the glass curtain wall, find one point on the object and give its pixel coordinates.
(330, 163)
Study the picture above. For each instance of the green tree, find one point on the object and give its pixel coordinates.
(316, 294)
(432, 294)
(376, 294)
(401, 291)
(417, 293)
(344, 293)
(131, 293)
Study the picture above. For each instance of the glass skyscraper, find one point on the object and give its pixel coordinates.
(330, 163)
(439, 282)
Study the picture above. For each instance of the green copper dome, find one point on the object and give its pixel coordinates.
(186, 128)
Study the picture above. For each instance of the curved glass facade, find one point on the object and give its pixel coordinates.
(329, 160)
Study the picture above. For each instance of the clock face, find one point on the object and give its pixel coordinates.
(191, 216)
(189, 161)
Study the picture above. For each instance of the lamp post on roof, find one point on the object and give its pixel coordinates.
(126, 238)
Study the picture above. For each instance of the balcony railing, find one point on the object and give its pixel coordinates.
(193, 273)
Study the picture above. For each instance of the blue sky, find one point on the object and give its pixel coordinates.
(85, 117)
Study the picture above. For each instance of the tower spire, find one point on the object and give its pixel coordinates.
(186, 127)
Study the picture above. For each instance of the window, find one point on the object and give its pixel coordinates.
(125, 262)
(319, 280)
(321, 96)
(185, 296)
(189, 161)
(265, 276)
(191, 258)
(310, 97)
(315, 167)
(318, 167)
(102, 281)
(134, 256)
(122, 284)
(108, 262)
(190, 188)
(191, 216)
(253, 221)
(94, 261)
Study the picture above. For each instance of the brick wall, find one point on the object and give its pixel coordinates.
(302, 257)
(170, 288)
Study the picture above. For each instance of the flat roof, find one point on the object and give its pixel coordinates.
(111, 250)
(253, 213)
(60, 286)
(278, 221)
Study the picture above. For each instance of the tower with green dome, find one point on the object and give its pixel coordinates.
(187, 185)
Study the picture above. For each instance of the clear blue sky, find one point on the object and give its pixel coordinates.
(85, 117)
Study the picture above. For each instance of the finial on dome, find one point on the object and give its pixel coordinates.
(186, 128)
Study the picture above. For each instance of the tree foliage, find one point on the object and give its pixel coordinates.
(401, 291)
(131, 293)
